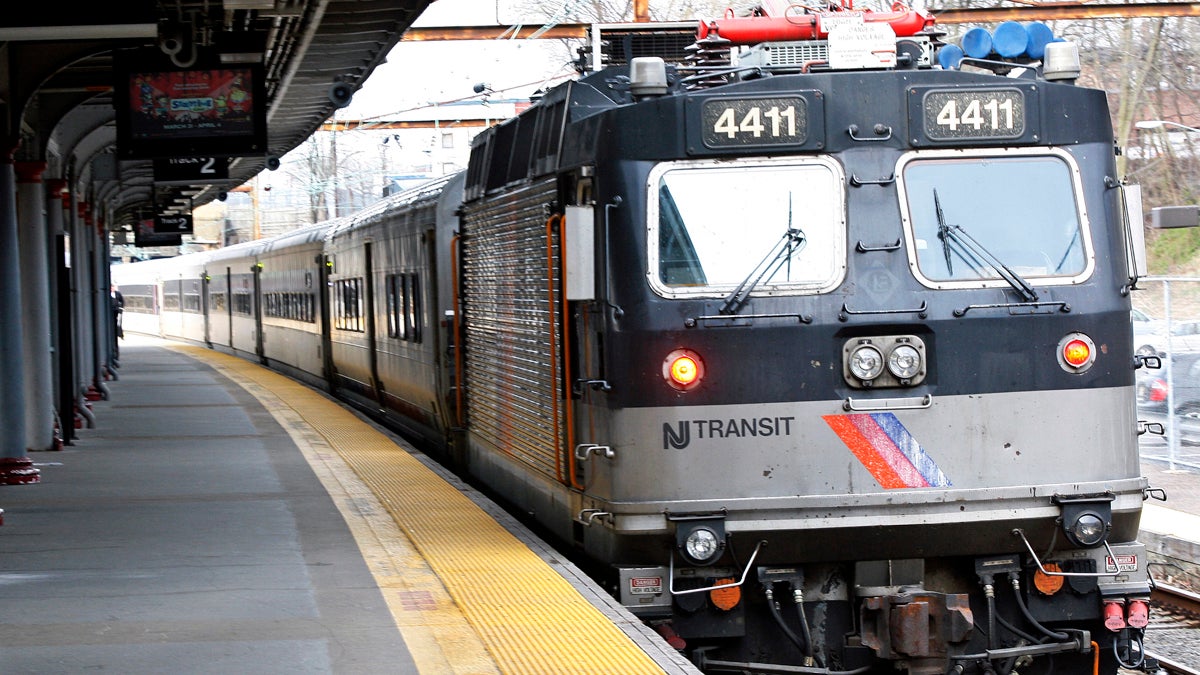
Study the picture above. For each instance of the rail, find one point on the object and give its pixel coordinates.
(1184, 602)
(1179, 599)
(1172, 667)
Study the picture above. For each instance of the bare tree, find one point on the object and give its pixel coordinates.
(313, 175)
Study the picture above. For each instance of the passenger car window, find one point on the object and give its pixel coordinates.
(711, 224)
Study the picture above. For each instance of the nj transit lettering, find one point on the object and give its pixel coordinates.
(679, 435)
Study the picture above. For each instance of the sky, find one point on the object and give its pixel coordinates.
(418, 73)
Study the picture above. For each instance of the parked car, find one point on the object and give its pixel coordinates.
(1150, 335)
(1154, 387)
(1146, 331)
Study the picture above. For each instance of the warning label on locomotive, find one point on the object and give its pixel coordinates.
(745, 122)
(646, 585)
(964, 114)
(1123, 563)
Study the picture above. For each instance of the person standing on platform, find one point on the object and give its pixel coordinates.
(118, 308)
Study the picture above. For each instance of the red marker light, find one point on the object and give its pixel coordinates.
(683, 369)
(1077, 353)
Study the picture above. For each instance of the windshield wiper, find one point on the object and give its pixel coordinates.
(972, 252)
(792, 242)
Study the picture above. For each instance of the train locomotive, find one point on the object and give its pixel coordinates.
(816, 345)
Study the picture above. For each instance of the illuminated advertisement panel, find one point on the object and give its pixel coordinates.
(163, 111)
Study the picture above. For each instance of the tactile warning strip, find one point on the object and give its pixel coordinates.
(483, 590)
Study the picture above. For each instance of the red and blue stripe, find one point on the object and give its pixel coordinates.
(886, 448)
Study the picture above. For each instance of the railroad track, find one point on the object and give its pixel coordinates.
(1178, 599)
(1171, 667)
(1180, 602)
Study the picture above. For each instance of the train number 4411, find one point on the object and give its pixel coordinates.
(977, 114)
(782, 121)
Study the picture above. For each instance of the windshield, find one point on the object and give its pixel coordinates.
(762, 228)
(1022, 211)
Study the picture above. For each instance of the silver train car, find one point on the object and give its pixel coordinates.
(823, 365)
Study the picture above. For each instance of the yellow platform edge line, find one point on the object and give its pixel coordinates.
(525, 614)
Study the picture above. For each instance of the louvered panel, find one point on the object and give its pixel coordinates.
(512, 376)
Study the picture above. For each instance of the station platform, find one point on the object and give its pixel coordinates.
(1172, 528)
(222, 518)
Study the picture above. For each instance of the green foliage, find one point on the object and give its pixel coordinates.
(1173, 251)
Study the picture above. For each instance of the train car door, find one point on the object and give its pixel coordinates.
(258, 323)
(326, 332)
(369, 310)
(229, 303)
(205, 280)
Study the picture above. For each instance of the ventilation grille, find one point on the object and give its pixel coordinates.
(620, 44)
(512, 375)
(786, 53)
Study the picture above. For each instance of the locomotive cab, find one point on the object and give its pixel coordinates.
(852, 385)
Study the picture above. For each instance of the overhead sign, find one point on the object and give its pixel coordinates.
(174, 224)
(211, 108)
(144, 235)
(190, 170)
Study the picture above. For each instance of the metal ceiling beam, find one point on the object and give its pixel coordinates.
(79, 20)
(436, 33)
(380, 125)
(1058, 12)
(1048, 12)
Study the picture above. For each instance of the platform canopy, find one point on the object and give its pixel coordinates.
(205, 93)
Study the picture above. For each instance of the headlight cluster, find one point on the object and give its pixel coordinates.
(701, 542)
(702, 545)
(1088, 529)
(885, 361)
(1086, 519)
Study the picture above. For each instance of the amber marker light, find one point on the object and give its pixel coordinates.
(1047, 584)
(1076, 353)
(683, 369)
(726, 595)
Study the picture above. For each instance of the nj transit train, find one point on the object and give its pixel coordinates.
(819, 350)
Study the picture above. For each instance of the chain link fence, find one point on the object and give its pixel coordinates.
(1166, 323)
